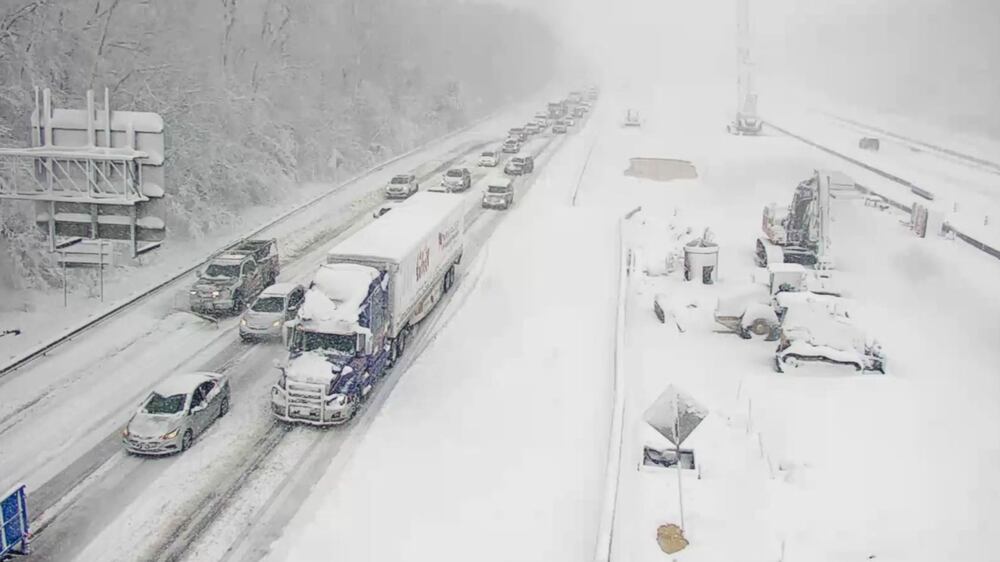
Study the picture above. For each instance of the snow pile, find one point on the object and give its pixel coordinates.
(335, 298)
(818, 327)
(310, 367)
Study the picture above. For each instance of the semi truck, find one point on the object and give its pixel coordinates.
(363, 305)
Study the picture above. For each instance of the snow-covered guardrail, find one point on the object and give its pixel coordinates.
(924, 193)
(118, 307)
(605, 533)
(981, 162)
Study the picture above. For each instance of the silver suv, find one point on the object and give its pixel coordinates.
(402, 186)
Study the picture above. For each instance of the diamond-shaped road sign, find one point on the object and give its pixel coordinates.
(663, 415)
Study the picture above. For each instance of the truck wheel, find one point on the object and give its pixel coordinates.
(760, 327)
(401, 344)
(449, 279)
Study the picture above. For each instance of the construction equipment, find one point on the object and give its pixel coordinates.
(800, 232)
(747, 122)
(813, 333)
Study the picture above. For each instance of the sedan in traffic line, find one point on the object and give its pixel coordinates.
(178, 410)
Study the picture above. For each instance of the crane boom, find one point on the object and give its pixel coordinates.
(747, 122)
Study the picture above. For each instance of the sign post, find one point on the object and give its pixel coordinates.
(14, 530)
(100, 266)
(675, 415)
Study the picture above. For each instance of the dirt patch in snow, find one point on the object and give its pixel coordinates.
(661, 169)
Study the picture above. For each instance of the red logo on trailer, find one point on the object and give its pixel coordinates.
(423, 262)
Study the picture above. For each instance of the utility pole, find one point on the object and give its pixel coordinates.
(744, 87)
(747, 122)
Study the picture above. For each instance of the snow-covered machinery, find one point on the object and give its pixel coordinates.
(790, 285)
(745, 124)
(799, 232)
(812, 332)
(362, 306)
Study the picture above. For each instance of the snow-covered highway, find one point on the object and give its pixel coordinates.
(60, 431)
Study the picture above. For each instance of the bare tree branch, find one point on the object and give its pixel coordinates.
(104, 37)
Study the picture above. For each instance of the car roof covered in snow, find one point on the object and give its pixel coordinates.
(236, 258)
(278, 290)
(183, 383)
(395, 236)
(499, 181)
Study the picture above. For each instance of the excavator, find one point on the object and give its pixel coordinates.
(800, 232)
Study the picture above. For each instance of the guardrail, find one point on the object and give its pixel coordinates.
(995, 167)
(43, 349)
(606, 530)
(947, 227)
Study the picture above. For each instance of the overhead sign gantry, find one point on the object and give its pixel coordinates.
(93, 174)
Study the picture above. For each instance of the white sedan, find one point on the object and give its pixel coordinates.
(179, 409)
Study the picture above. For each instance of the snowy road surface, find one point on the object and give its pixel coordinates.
(59, 429)
(492, 447)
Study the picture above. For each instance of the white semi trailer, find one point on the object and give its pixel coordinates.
(362, 306)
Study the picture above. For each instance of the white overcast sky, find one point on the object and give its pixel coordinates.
(935, 57)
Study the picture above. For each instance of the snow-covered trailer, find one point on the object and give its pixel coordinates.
(362, 304)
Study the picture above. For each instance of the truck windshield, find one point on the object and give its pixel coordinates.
(269, 304)
(316, 341)
(217, 270)
(158, 404)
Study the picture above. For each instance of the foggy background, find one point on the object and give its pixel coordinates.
(261, 95)
(936, 61)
